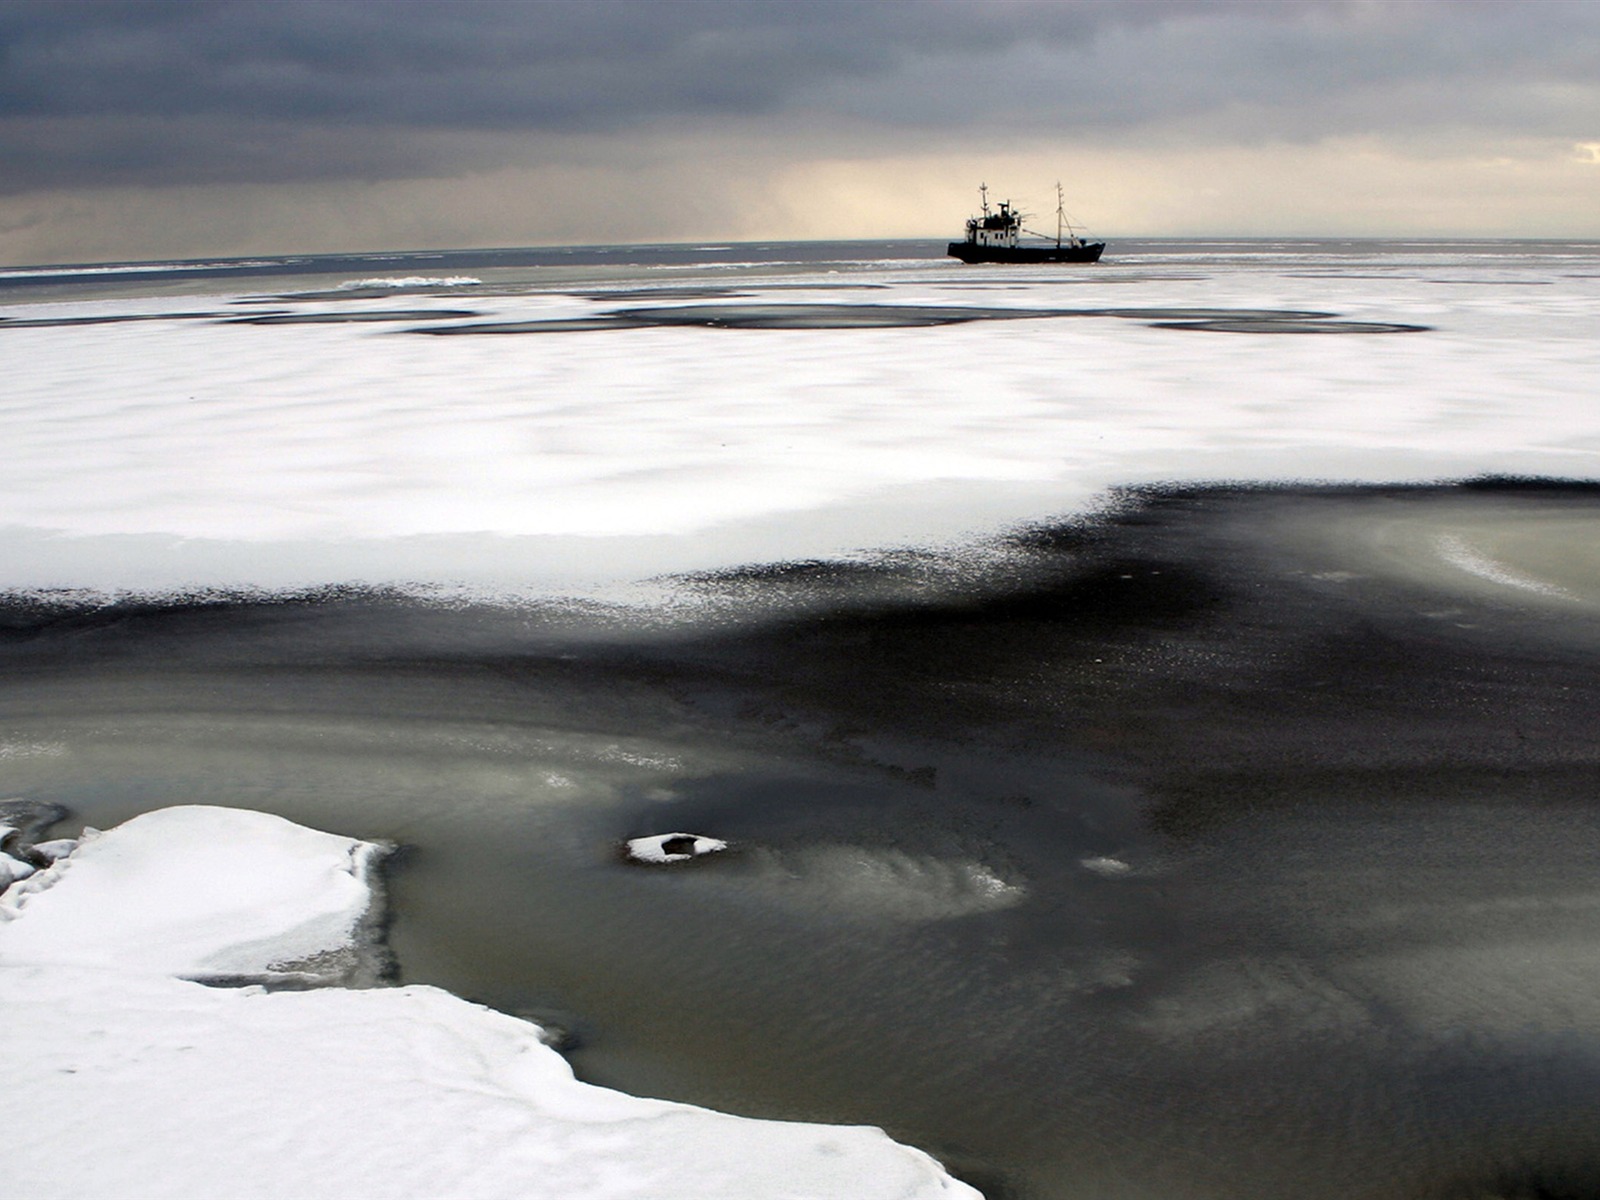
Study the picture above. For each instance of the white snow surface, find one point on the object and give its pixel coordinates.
(130, 1082)
(193, 891)
(289, 455)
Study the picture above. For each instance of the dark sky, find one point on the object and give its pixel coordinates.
(822, 117)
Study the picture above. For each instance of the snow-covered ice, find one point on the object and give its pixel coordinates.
(201, 893)
(290, 455)
(115, 1058)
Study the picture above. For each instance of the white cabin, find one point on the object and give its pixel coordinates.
(995, 229)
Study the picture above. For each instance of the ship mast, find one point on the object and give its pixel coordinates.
(983, 194)
(1061, 214)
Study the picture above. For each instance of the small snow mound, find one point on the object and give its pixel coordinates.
(206, 893)
(671, 848)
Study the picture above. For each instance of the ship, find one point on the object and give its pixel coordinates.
(995, 237)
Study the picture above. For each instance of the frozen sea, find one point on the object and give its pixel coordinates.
(1151, 706)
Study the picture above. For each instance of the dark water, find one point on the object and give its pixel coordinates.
(588, 264)
(1128, 260)
(1238, 843)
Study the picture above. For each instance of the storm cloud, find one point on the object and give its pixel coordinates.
(160, 127)
(154, 92)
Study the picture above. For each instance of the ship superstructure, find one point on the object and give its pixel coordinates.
(996, 237)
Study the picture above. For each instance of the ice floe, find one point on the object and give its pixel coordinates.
(664, 848)
(202, 893)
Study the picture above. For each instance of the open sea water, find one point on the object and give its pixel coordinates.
(1222, 837)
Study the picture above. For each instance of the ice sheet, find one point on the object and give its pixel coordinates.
(228, 455)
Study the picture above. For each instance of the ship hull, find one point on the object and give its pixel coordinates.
(969, 252)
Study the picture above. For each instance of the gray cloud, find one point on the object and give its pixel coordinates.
(103, 92)
(546, 63)
(1276, 71)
